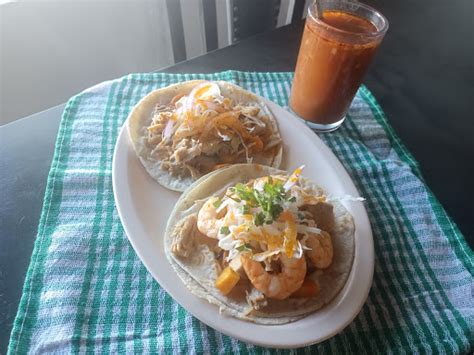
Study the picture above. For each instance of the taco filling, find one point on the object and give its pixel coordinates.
(272, 245)
(203, 130)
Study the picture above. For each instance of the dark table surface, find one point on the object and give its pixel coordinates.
(423, 77)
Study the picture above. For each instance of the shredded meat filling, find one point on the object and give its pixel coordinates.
(193, 143)
(182, 237)
(322, 213)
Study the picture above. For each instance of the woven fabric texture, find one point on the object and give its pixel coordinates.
(87, 291)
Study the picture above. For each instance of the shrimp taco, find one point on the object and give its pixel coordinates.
(261, 244)
(184, 131)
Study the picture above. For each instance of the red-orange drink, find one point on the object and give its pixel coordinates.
(335, 52)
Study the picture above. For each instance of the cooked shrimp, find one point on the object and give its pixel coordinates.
(280, 285)
(209, 221)
(321, 252)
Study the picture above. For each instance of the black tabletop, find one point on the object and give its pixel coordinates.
(423, 77)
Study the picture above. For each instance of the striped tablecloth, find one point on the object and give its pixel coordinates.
(87, 291)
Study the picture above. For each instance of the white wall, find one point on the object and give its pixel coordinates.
(51, 50)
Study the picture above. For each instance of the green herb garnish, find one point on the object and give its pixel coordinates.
(245, 193)
(224, 230)
(217, 203)
(269, 200)
(245, 209)
(244, 248)
(275, 211)
(259, 219)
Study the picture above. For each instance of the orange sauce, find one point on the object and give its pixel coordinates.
(348, 22)
(332, 61)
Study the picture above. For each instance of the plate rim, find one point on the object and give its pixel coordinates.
(336, 165)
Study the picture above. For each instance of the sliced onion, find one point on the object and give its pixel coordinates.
(168, 131)
(227, 242)
(256, 121)
(299, 251)
(223, 205)
(213, 90)
(293, 179)
(307, 229)
(224, 137)
(265, 255)
(345, 198)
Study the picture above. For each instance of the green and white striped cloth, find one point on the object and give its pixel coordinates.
(87, 291)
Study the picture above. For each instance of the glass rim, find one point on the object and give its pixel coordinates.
(380, 32)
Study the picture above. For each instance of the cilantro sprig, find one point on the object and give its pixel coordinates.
(244, 248)
(245, 209)
(270, 200)
(217, 203)
(259, 219)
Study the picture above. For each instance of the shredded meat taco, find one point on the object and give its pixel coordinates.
(261, 244)
(186, 130)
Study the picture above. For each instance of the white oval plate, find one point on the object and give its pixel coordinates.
(144, 206)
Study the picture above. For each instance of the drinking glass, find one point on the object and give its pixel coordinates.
(335, 52)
